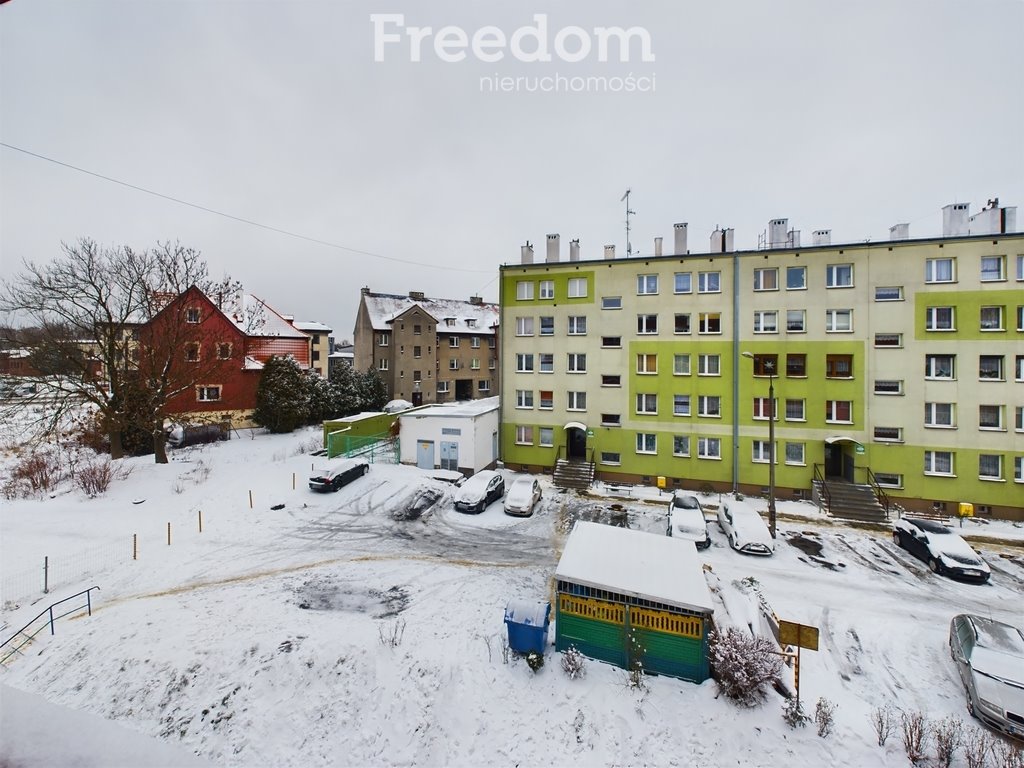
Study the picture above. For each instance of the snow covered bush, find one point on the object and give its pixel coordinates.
(793, 713)
(743, 665)
(535, 660)
(391, 636)
(824, 716)
(573, 663)
(1007, 754)
(882, 720)
(915, 730)
(948, 734)
(977, 746)
(94, 478)
(33, 474)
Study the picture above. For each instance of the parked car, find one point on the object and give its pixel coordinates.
(945, 551)
(743, 526)
(522, 497)
(338, 475)
(479, 491)
(686, 519)
(990, 658)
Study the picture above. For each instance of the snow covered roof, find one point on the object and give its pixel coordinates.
(644, 565)
(252, 364)
(452, 315)
(312, 327)
(462, 409)
(15, 353)
(254, 317)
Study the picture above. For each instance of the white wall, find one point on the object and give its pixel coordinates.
(475, 451)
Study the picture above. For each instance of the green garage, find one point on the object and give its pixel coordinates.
(626, 596)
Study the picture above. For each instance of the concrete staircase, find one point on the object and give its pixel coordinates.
(850, 501)
(573, 474)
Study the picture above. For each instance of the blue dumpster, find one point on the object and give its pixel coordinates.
(527, 622)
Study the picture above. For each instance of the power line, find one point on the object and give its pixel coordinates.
(250, 222)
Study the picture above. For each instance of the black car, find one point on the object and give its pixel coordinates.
(479, 491)
(944, 551)
(333, 478)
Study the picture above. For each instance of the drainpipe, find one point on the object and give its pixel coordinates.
(736, 373)
(500, 352)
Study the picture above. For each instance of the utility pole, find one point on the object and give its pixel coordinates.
(629, 245)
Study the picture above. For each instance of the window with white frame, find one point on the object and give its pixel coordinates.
(611, 342)
(940, 367)
(453, 342)
(940, 415)
(839, 411)
(1020, 267)
(524, 326)
(383, 339)
(889, 293)
(709, 322)
(611, 380)
(680, 365)
(940, 319)
(577, 287)
(890, 340)
(547, 289)
(709, 282)
(208, 394)
(524, 435)
(524, 362)
(576, 401)
(838, 320)
(646, 403)
(382, 364)
(454, 364)
(796, 278)
(1020, 318)
(938, 462)
(546, 362)
(766, 279)
(610, 457)
(766, 321)
(1018, 368)
(796, 409)
(990, 417)
(762, 452)
(680, 405)
(546, 437)
(474, 364)
(1018, 469)
(474, 342)
(611, 302)
(647, 324)
(993, 268)
(990, 368)
(646, 363)
(577, 325)
(839, 276)
(524, 290)
(795, 454)
(484, 385)
(646, 442)
(888, 386)
(547, 326)
(888, 434)
(646, 285)
(683, 282)
(491, 342)
(680, 445)
(682, 322)
(889, 479)
(709, 447)
(611, 419)
(990, 466)
(940, 270)
(992, 318)
(763, 409)
(442, 387)
(546, 400)
(577, 362)
(1018, 418)
(709, 365)
(710, 406)
(491, 363)
(796, 320)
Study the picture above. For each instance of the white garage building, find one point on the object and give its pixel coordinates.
(458, 436)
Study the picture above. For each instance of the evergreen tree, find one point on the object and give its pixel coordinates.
(282, 398)
(345, 390)
(373, 395)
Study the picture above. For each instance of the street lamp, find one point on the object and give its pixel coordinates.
(769, 366)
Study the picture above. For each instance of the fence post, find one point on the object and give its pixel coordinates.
(50, 610)
(135, 546)
(168, 534)
(200, 521)
(250, 499)
(46, 574)
(293, 488)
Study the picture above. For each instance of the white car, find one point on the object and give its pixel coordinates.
(522, 497)
(990, 658)
(686, 519)
(479, 491)
(745, 529)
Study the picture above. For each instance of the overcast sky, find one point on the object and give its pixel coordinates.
(850, 116)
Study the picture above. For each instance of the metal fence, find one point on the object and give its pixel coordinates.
(378, 449)
(60, 570)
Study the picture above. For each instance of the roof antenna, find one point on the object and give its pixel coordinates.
(629, 245)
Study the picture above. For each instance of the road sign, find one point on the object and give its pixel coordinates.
(800, 635)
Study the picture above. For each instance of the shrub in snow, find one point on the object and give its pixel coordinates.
(33, 474)
(793, 713)
(573, 663)
(915, 730)
(743, 665)
(948, 734)
(977, 747)
(535, 660)
(1007, 754)
(883, 719)
(824, 716)
(95, 477)
(391, 635)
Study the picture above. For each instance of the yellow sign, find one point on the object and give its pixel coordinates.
(800, 635)
(661, 481)
(966, 509)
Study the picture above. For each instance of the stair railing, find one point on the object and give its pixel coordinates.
(819, 475)
(882, 496)
(23, 636)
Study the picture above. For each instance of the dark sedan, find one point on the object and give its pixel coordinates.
(941, 548)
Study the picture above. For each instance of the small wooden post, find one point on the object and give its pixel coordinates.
(200, 521)
(168, 534)
(796, 668)
(293, 481)
(46, 574)
(250, 499)
(135, 546)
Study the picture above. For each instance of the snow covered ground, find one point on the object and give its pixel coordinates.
(333, 631)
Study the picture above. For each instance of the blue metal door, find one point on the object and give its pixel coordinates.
(449, 456)
(425, 454)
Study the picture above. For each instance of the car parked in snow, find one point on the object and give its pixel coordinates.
(686, 519)
(479, 491)
(744, 528)
(941, 548)
(990, 658)
(337, 475)
(522, 496)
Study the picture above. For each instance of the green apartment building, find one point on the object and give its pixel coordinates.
(899, 363)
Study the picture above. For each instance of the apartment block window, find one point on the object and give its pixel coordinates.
(546, 437)
(891, 340)
(608, 457)
(990, 368)
(888, 386)
(839, 276)
(453, 342)
(889, 434)
(766, 279)
(991, 318)
(839, 366)
(611, 342)
(796, 278)
(647, 324)
(223, 351)
(990, 466)
(453, 365)
(484, 385)
(383, 339)
(491, 363)
(611, 302)
(491, 343)
(795, 454)
(417, 330)
(766, 321)
(889, 479)
(646, 363)
(1020, 267)
(709, 322)
(1018, 418)
(889, 293)
(382, 364)
(578, 325)
(524, 435)
(838, 320)
(577, 401)
(547, 362)
(940, 270)
(524, 326)
(710, 406)
(938, 462)
(709, 447)
(709, 365)
(681, 445)
(796, 409)
(524, 363)
(1020, 318)
(547, 289)
(683, 282)
(646, 442)
(939, 415)
(993, 268)
(524, 290)
(577, 363)
(524, 398)
(763, 409)
(208, 394)
(611, 380)
(646, 285)
(940, 367)
(442, 387)
(611, 420)
(680, 365)
(646, 404)
(796, 365)
(192, 352)
(474, 342)
(546, 400)
(1018, 368)
(990, 417)
(682, 324)
(417, 376)
(839, 411)
(762, 452)
(709, 282)
(796, 320)
(417, 352)
(680, 405)
(766, 365)
(474, 364)
(1018, 469)
(577, 287)
(547, 326)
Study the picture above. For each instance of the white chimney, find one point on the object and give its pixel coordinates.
(526, 253)
(728, 238)
(657, 246)
(994, 220)
(777, 233)
(554, 245)
(955, 219)
(899, 232)
(574, 250)
(716, 241)
(793, 238)
(680, 232)
(822, 236)
(609, 251)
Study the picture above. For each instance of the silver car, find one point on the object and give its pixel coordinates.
(990, 658)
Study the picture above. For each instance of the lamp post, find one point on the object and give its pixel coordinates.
(770, 367)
